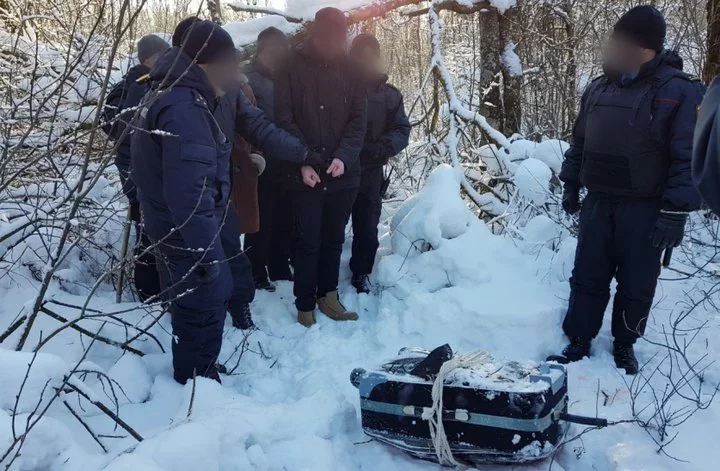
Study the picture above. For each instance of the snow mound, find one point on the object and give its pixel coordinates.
(42, 371)
(552, 152)
(532, 179)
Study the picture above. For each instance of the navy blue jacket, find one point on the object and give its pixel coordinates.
(126, 95)
(706, 148)
(263, 87)
(181, 158)
(324, 104)
(388, 127)
(633, 138)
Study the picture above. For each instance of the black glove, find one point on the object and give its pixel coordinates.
(206, 274)
(314, 159)
(669, 229)
(571, 199)
(371, 154)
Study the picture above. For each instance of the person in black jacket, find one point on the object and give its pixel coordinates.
(632, 151)
(320, 97)
(269, 248)
(180, 164)
(388, 132)
(120, 107)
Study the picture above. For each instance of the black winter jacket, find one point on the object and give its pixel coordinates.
(388, 127)
(633, 138)
(324, 104)
(263, 87)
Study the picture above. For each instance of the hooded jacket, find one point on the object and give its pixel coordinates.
(324, 104)
(633, 137)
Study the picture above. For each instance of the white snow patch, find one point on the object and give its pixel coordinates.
(532, 179)
(511, 60)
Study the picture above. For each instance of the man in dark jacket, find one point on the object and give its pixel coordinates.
(388, 132)
(631, 150)
(320, 97)
(269, 248)
(180, 162)
(706, 148)
(120, 107)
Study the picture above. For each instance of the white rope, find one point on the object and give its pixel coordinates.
(434, 414)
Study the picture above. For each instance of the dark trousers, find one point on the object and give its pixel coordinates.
(614, 241)
(197, 312)
(269, 249)
(238, 263)
(365, 219)
(320, 220)
(145, 273)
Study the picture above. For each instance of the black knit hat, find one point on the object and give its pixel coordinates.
(149, 46)
(271, 36)
(330, 21)
(364, 41)
(181, 29)
(207, 42)
(644, 26)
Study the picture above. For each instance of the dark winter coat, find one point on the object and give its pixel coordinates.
(324, 104)
(388, 127)
(706, 148)
(261, 81)
(633, 138)
(126, 95)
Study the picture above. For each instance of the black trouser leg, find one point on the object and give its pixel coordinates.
(638, 268)
(281, 239)
(595, 265)
(308, 213)
(336, 214)
(237, 261)
(257, 245)
(147, 279)
(366, 214)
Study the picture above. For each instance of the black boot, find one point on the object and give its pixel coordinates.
(242, 318)
(264, 285)
(361, 283)
(625, 359)
(578, 349)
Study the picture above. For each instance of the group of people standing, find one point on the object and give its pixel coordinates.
(193, 129)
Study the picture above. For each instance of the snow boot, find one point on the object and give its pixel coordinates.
(624, 354)
(578, 349)
(264, 285)
(306, 318)
(331, 306)
(242, 318)
(361, 284)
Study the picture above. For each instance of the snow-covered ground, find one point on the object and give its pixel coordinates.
(289, 404)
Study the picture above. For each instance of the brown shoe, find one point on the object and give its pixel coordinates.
(331, 306)
(306, 318)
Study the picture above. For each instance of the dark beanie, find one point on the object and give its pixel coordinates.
(330, 20)
(150, 45)
(181, 29)
(270, 36)
(364, 41)
(207, 42)
(644, 26)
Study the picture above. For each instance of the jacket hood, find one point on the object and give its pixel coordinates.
(176, 69)
(137, 71)
(255, 66)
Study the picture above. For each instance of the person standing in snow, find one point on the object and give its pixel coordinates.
(320, 97)
(631, 150)
(180, 162)
(706, 148)
(269, 248)
(388, 133)
(127, 95)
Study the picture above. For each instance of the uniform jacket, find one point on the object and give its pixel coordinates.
(324, 104)
(706, 148)
(261, 82)
(633, 138)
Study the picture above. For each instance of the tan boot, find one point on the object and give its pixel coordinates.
(331, 306)
(306, 318)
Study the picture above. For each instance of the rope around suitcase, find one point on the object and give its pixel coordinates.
(466, 409)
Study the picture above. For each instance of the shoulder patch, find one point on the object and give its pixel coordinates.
(143, 78)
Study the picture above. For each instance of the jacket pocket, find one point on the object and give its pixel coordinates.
(199, 153)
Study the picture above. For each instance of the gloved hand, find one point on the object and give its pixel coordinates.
(314, 159)
(571, 199)
(669, 229)
(370, 154)
(259, 162)
(206, 274)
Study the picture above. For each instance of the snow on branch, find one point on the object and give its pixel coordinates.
(240, 7)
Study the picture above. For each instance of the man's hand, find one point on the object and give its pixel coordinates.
(669, 230)
(336, 168)
(571, 199)
(309, 176)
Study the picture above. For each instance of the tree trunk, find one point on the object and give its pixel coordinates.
(712, 62)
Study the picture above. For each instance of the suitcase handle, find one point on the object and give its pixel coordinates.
(578, 419)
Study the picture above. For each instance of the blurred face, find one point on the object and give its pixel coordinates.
(221, 75)
(150, 61)
(273, 55)
(329, 44)
(624, 56)
(369, 60)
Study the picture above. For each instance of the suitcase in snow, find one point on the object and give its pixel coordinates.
(501, 412)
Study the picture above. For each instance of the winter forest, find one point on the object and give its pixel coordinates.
(475, 251)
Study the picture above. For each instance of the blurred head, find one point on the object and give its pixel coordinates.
(149, 48)
(272, 46)
(365, 50)
(329, 33)
(213, 50)
(638, 36)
